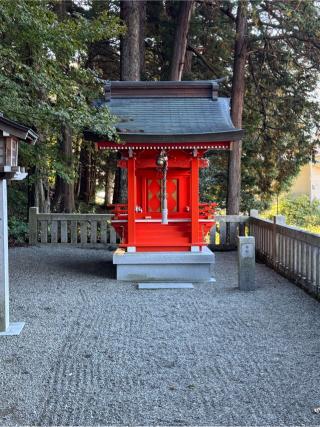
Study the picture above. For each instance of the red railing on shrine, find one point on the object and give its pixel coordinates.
(206, 210)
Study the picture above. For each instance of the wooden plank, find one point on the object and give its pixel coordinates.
(285, 252)
(44, 231)
(83, 232)
(299, 234)
(72, 217)
(93, 231)
(242, 229)
(291, 254)
(300, 272)
(54, 231)
(232, 218)
(314, 267)
(294, 255)
(213, 232)
(304, 260)
(33, 226)
(261, 222)
(233, 233)
(318, 270)
(113, 234)
(64, 232)
(103, 232)
(223, 233)
(280, 250)
(74, 232)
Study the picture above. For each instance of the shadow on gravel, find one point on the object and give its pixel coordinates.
(98, 268)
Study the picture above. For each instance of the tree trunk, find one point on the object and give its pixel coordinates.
(85, 172)
(41, 187)
(132, 59)
(65, 190)
(237, 101)
(142, 48)
(132, 63)
(180, 40)
(110, 179)
(93, 179)
(68, 187)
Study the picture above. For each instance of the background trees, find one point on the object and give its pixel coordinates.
(54, 57)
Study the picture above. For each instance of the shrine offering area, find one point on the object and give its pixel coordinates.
(96, 351)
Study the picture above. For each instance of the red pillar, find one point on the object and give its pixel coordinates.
(131, 203)
(194, 191)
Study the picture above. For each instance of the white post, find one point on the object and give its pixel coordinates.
(6, 328)
(4, 269)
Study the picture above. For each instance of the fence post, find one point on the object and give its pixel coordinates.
(33, 226)
(280, 220)
(255, 214)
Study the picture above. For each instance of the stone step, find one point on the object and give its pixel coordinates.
(164, 285)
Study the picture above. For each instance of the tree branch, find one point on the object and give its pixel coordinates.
(201, 57)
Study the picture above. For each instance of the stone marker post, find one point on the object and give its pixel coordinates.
(246, 263)
(4, 273)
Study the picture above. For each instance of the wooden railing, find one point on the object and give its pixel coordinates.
(291, 251)
(78, 229)
(224, 234)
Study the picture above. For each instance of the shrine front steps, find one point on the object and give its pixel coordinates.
(164, 266)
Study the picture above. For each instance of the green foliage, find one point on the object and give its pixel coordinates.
(281, 113)
(299, 211)
(18, 231)
(44, 82)
(51, 69)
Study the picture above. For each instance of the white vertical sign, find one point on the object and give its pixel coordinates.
(4, 265)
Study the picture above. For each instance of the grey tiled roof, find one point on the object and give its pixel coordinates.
(172, 116)
(169, 111)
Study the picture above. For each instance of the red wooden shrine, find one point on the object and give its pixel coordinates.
(165, 129)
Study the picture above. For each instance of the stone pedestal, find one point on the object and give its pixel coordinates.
(164, 266)
(246, 263)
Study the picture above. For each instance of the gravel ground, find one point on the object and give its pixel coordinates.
(98, 352)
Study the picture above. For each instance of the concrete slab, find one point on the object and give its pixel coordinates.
(165, 285)
(164, 266)
(120, 256)
(14, 328)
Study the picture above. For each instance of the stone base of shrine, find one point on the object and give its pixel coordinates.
(164, 266)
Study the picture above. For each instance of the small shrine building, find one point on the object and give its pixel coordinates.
(165, 129)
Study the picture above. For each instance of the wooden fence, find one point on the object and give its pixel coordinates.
(92, 230)
(96, 229)
(224, 234)
(292, 252)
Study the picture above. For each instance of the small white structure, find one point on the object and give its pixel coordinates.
(10, 135)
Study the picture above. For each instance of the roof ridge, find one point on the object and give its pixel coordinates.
(163, 89)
